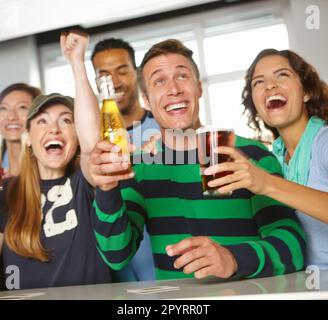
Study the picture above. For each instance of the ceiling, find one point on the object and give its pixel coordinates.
(25, 17)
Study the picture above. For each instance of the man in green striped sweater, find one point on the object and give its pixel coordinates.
(243, 235)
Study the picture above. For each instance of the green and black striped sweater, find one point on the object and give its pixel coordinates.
(263, 234)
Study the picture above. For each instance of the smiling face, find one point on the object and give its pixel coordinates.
(277, 93)
(13, 113)
(53, 139)
(117, 63)
(173, 91)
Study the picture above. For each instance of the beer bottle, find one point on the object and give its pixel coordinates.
(112, 127)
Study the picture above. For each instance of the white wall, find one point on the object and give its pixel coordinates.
(46, 15)
(311, 44)
(19, 62)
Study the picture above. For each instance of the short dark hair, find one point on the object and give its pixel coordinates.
(163, 48)
(310, 80)
(114, 43)
(20, 86)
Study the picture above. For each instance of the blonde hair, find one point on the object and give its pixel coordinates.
(22, 232)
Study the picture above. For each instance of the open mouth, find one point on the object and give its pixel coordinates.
(119, 95)
(275, 102)
(54, 147)
(176, 107)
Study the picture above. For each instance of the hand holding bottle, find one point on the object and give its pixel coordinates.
(108, 166)
(112, 126)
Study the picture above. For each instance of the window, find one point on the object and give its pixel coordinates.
(223, 52)
(226, 109)
(234, 51)
(59, 78)
(229, 52)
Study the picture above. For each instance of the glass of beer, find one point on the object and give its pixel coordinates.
(208, 139)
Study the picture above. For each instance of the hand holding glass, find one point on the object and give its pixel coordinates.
(208, 139)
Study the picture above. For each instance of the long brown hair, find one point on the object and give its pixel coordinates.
(311, 82)
(22, 232)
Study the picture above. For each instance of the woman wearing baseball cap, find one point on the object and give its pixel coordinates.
(46, 211)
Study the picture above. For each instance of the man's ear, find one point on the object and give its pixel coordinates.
(146, 103)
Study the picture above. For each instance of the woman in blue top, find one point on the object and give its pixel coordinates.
(46, 211)
(286, 93)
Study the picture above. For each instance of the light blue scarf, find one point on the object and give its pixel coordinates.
(298, 168)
